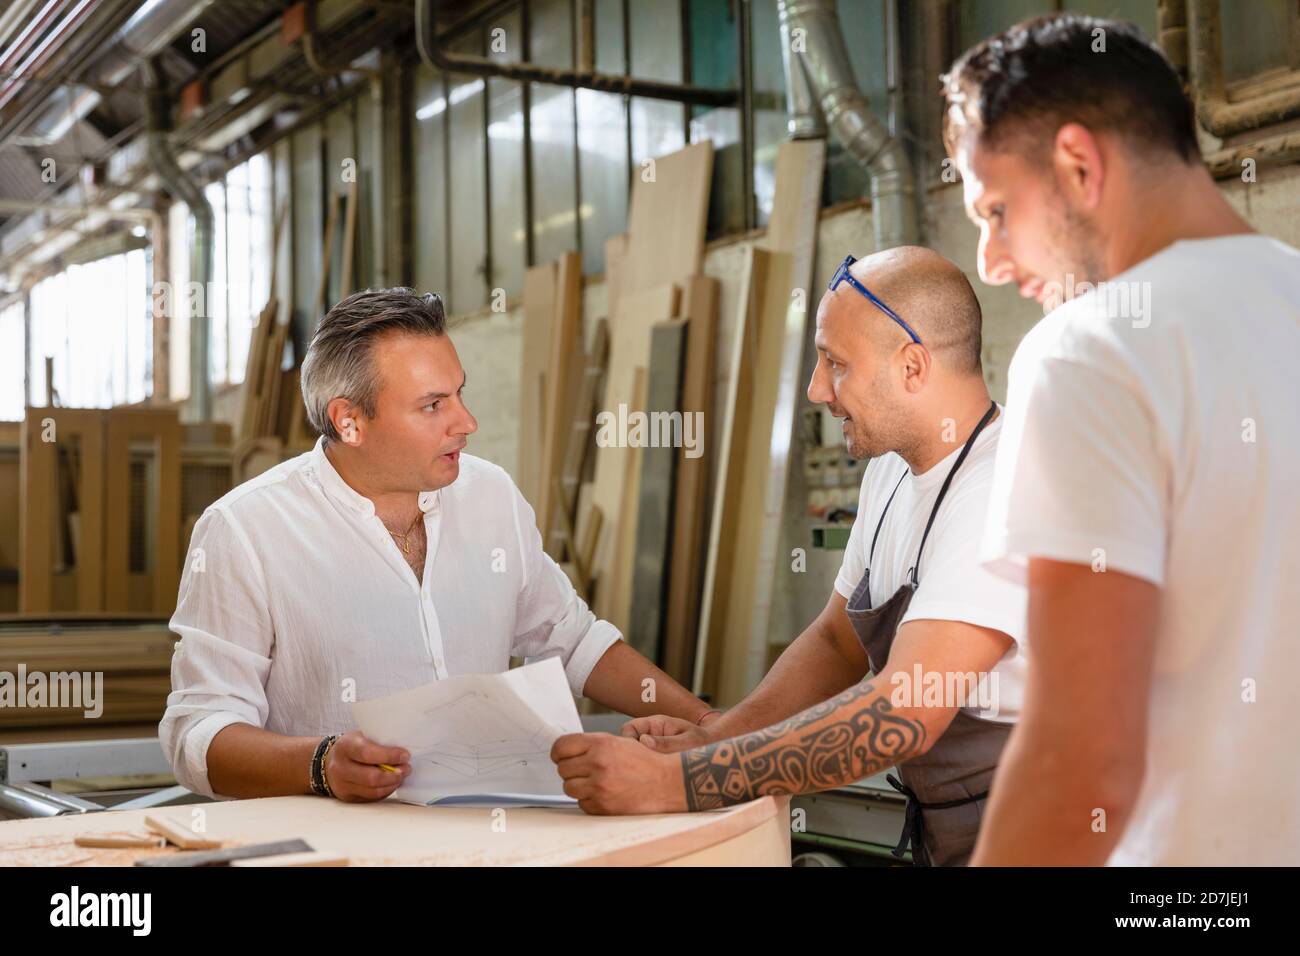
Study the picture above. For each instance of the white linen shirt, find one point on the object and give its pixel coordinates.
(295, 600)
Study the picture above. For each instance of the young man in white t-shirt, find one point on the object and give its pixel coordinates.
(898, 340)
(1146, 479)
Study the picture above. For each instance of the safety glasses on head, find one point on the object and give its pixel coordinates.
(842, 275)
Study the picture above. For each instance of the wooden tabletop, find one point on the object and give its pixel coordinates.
(389, 833)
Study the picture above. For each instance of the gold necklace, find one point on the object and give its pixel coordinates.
(404, 540)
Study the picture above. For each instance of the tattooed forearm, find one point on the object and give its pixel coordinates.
(846, 738)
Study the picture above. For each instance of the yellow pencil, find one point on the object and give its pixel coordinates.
(388, 767)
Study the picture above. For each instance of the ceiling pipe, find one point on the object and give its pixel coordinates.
(821, 61)
(37, 50)
(75, 49)
(132, 213)
(437, 56)
(29, 34)
(18, 12)
(148, 31)
(128, 173)
(188, 191)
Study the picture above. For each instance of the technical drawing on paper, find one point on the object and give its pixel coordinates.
(503, 743)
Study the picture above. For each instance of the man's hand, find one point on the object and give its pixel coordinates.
(353, 772)
(668, 734)
(608, 774)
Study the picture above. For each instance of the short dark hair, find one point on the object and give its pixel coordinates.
(1028, 81)
(337, 364)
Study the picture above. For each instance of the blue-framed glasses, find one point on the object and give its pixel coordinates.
(842, 275)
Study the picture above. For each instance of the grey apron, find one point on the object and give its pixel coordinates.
(945, 787)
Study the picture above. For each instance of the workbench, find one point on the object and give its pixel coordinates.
(389, 833)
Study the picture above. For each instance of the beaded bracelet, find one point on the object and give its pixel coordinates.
(319, 785)
(324, 778)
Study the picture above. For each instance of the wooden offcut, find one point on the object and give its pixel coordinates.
(179, 835)
(120, 840)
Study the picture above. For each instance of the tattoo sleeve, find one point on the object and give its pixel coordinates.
(851, 736)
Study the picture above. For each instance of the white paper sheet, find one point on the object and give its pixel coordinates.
(479, 740)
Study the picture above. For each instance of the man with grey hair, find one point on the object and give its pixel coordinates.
(368, 566)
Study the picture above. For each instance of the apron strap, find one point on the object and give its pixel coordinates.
(943, 490)
(913, 826)
(881, 523)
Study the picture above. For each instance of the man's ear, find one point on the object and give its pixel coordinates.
(1079, 165)
(916, 366)
(347, 420)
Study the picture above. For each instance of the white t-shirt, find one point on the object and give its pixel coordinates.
(1170, 440)
(952, 585)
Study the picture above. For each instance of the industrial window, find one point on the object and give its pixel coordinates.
(241, 255)
(11, 362)
(506, 167)
(178, 316)
(94, 321)
(243, 249)
(507, 174)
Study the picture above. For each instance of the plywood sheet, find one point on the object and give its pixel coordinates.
(690, 508)
(750, 398)
(391, 833)
(563, 380)
(654, 517)
(666, 219)
(539, 318)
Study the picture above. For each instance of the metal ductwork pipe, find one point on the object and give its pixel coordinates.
(150, 29)
(817, 60)
(182, 187)
(806, 119)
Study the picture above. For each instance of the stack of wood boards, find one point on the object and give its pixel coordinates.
(645, 282)
(135, 661)
(776, 306)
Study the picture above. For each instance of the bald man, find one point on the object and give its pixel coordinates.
(916, 661)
